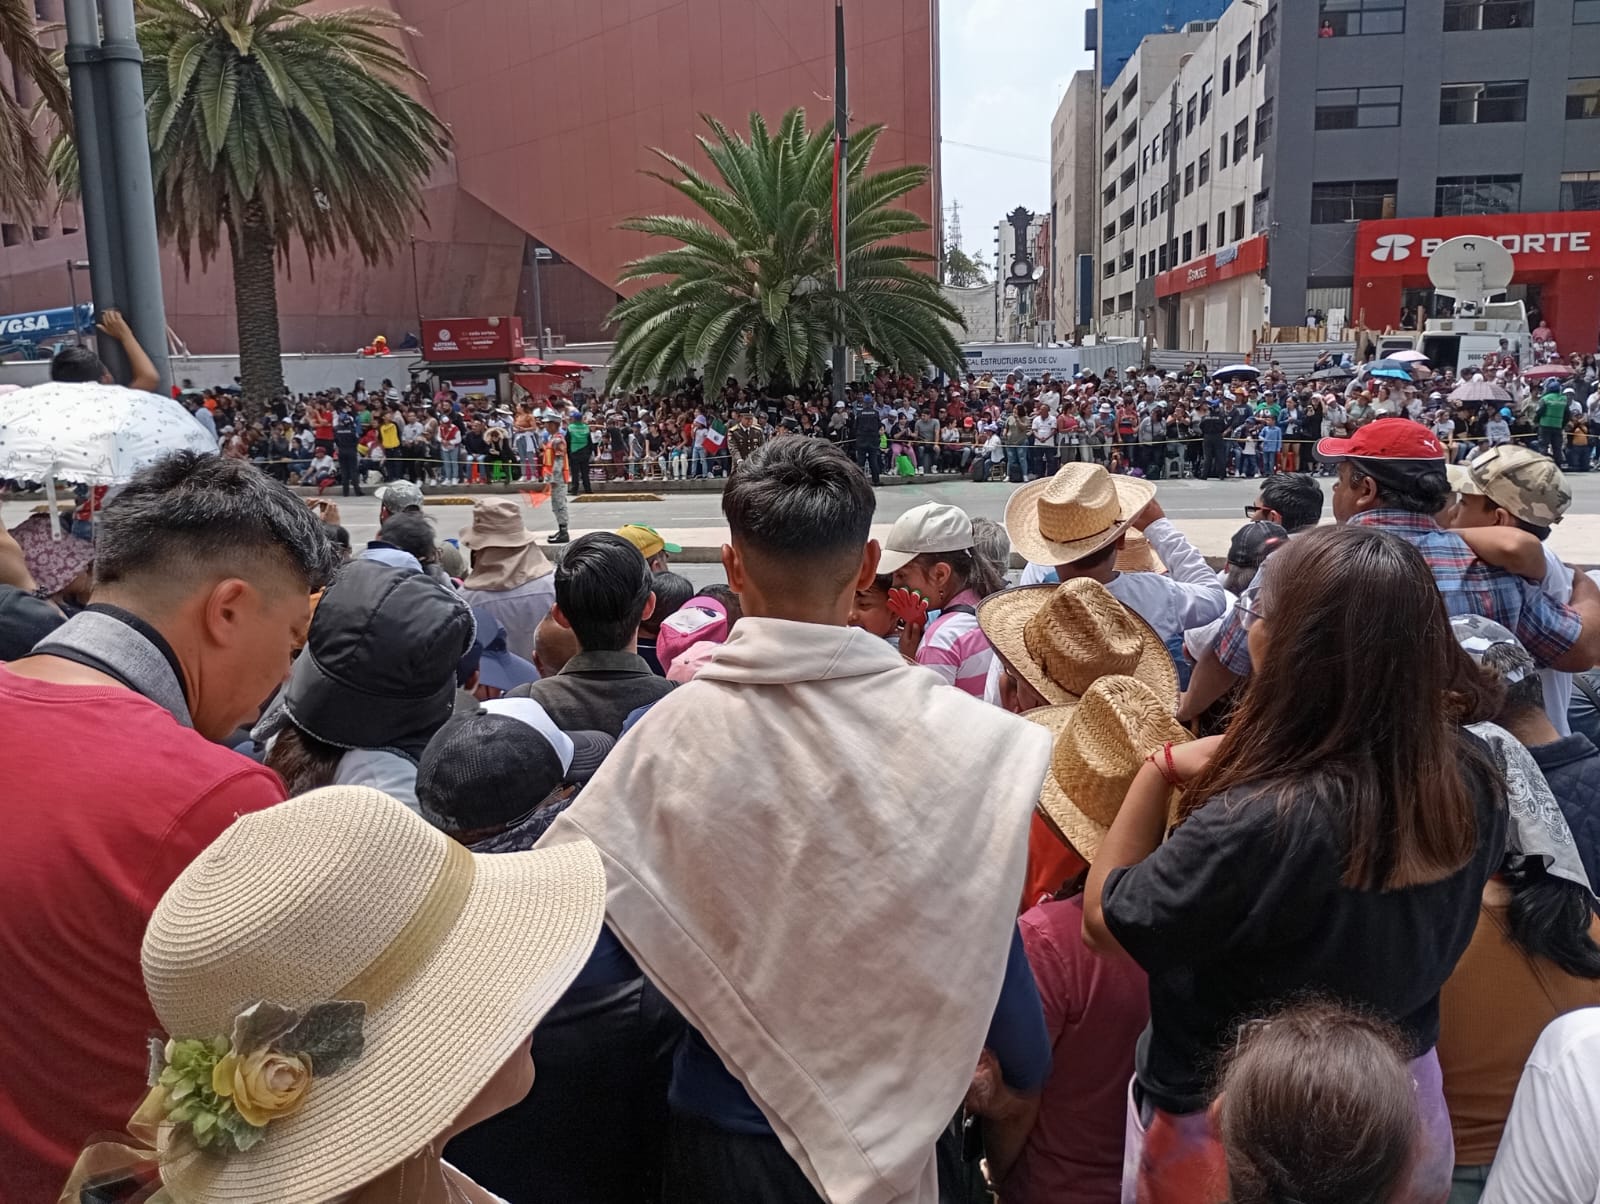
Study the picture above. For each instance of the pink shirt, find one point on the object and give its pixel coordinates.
(955, 648)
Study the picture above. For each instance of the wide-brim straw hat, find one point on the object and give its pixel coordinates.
(344, 893)
(496, 523)
(1100, 744)
(1137, 556)
(1062, 638)
(1075, 513)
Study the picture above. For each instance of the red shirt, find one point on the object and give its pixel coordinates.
(106, 800)
(1094, 1010)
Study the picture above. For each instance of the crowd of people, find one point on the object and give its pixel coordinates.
(1134, 421)
(446, 869)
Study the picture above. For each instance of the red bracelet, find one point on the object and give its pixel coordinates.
(1165, 767)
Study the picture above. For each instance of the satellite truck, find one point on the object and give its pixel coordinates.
(1474, 270)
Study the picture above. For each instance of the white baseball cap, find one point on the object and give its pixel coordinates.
(930, 527)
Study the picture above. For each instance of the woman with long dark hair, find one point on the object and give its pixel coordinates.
(1334, 842)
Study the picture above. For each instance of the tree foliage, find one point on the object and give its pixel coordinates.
(962, 270)
(751, 285)
(24, 175)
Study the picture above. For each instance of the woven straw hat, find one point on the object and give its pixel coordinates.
(1137, 556)
(1062, 638)
(343, 893)
(1100, 744)
(1074, 513)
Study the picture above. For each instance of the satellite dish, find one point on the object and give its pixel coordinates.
(1473, 269)
(1038, 274)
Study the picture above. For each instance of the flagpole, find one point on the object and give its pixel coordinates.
(841, 182)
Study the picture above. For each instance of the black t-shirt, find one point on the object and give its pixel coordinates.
(1242, 911)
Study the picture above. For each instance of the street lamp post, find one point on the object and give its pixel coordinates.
(540, 255)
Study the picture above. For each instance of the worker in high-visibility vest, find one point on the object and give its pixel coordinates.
(553, 461)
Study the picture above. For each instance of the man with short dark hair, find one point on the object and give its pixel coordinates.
(77, 364)
(203, 570)
(602, 594)
(802, 1042)
(1293, 500)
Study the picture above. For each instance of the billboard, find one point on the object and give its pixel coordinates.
(1538, 242)
(445, 339)
(1025, 359)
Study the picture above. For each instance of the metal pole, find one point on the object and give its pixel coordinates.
(94, 166)
(135, 190)
(538, 306)
(841, 135)
(72, 291)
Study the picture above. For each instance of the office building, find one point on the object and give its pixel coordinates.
(1116, 27)
(553, 108)
(1073, 208)
(1308, 159)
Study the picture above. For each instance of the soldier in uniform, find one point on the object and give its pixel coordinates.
(745, 437)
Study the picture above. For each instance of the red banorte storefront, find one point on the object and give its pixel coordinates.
(1559, 252)
(1238, 259)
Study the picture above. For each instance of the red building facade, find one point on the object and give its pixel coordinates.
(554, 108)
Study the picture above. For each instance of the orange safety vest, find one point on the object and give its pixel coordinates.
(547, 457)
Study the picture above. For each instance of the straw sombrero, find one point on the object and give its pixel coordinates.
(1073, 514)
(1062, 638)
(1137, 556)
(1100, 744)
(344, 894)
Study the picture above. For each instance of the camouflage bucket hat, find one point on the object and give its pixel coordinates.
(1523, 482)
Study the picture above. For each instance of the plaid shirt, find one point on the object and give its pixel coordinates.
(1546, 628)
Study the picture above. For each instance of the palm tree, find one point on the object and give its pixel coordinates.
(24, 175)
(754, 286)
(271, 125)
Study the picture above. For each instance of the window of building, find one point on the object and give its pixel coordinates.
(1190, 112)
(1110, 232)
(1222, 152)
(1585, 12)
(1487, 14)
(1238, 221)
(1109, 269)
(1129, 135)
(1124, 303)
(1583, 98)
(1109, 196)
(1241, 139)
(1352, 18)
(1357, 108)
(1161, 258)
(1222, 228)
(1110, 156)
(1166, 197)
(1266, 36)
(1339, 201)
(1468, 196)
(1129, 177)
(1166, 141)
(1205, 167)
(1126, 265)
(1241, 59)
(1227, 75)
(1130, 93)
(1483, 104)
(10, 234)
(1260, 211)
(1263, 127)
(1188, 180)
(1111, 115)
(1125, 223)
(1200, 233)
(1188, 248)
(1580, 190)
(1108, 307)
(1205, 92)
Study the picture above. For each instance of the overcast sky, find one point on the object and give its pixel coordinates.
(1004, 68)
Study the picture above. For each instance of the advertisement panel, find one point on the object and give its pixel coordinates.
(1235, 259)
(1025, 359)
(1538, 242)
(471, 339)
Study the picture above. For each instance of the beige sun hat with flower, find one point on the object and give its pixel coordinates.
(1075, 513)
(1062, 638)
(445, 961)
(1100, 744)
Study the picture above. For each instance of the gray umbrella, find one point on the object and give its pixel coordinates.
(1479, 389)
(1334, 373)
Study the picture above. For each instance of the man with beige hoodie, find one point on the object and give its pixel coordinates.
(833, 908)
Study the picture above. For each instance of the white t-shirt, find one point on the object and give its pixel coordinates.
(1550, 1152)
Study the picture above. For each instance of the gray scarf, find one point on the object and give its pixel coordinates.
(123, 646)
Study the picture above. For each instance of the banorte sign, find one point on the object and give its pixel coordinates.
(471, 339)
(1538, 242)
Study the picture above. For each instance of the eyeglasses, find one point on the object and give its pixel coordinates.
(1249, 615)
(1253, 513)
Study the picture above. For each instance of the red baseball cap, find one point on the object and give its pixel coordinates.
(1384, 439)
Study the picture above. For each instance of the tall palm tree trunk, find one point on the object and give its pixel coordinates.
(255, 299)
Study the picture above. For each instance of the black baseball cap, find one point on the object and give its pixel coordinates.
(494, 765)
(1254, 542)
